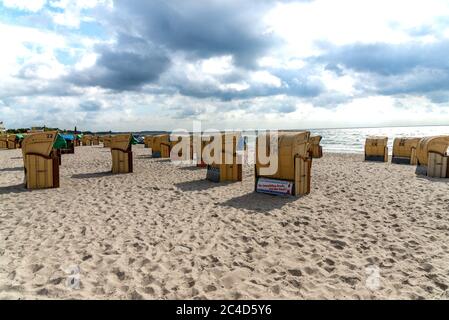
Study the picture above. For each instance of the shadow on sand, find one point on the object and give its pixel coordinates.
(92, 175)
(200, 185)
(192, 168)
(259, 202)
(144, 156)
(162, 160)
(11, 169)
(424, 177)
(19, 188)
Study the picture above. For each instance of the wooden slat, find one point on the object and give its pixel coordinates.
(443, 173)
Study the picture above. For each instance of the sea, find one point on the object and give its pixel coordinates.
(352, 140)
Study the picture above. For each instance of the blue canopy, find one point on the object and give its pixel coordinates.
(68, 137)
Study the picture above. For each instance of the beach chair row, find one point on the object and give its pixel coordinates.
(429, 154)
(292, 174)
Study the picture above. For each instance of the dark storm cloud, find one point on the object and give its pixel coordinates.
(126, 65)
(202, 29)
(387, 59)
(421, 81)
(390, 69)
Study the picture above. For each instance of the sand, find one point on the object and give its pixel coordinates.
(366, 231)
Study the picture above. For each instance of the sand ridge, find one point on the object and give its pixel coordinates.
(163, 232)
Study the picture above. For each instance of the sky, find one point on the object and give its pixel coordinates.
(132, 65)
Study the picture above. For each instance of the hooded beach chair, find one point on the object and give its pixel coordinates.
(315, 149)
(229, 168)
(70, 143)
(86, 140)
(147, 140)
(3, 141)
(95, 140)
(376, 149)
(404, 151)
(12, 141)
(107, 141)
(160, 146)
(293, 173)
(41, 161)
(122, 155)
(432, 155)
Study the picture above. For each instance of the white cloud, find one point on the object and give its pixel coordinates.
(23, 44)
(264, 77)
(348, 21)
(73, 11)
(217, 65)
(27, 5)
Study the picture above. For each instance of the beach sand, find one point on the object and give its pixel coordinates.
(366, 231)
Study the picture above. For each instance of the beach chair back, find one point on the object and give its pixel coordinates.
(404, 150)
(376, 149)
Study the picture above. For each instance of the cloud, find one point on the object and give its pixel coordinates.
(70, 13)
(201, 29)
(90, 106)
(27, 5)
(387, 59)
(126, 65)
(392, 69)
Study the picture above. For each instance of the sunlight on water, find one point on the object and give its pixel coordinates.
(353, 140)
